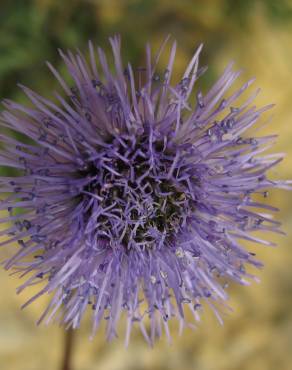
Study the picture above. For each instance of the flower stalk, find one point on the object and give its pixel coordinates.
(67, 360)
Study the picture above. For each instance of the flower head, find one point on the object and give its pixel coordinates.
(129, 196)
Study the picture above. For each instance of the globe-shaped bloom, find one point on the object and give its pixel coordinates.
(133, 194)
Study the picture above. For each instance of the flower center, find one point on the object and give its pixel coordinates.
(135, 197)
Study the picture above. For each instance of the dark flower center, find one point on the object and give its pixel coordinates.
(139, 202)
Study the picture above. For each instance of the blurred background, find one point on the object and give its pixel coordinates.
(257, 35)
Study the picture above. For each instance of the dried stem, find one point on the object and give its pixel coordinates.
(68, 350)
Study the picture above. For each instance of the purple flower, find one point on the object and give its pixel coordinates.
(133, 196)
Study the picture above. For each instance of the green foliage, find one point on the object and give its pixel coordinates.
(31, 31)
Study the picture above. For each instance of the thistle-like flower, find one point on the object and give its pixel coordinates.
(132, 194)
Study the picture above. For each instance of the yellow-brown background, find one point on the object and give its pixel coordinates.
(258, 36)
